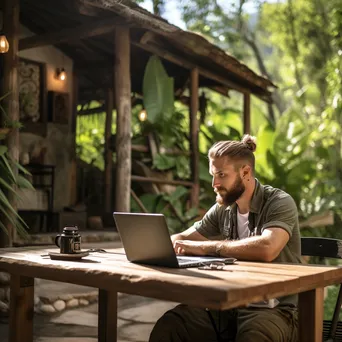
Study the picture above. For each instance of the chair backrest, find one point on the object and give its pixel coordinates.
(326, 248)
(321, 247)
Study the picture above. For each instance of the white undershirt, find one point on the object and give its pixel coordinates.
(242, 224)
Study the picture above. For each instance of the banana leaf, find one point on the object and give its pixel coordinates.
(158, 91)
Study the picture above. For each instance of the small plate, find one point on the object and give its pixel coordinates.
(70, 257)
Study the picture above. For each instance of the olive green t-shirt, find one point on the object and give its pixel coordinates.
(269, 208)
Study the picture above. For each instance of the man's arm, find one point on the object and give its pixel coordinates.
(265, 247)
(189, 234)
(207, 226)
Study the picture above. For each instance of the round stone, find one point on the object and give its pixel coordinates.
(72, 303)
(84, 302)
(59, 305)
(3, 307)
(93, 298)
(47, 308)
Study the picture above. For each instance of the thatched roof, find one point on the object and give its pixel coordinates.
(94, 56)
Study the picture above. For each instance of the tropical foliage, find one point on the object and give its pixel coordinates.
(10, 181)
(300, 48)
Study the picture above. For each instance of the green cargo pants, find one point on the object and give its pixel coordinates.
(188, 324)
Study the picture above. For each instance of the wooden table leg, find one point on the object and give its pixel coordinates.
(107, 326)
(310, 306)
(21, 309)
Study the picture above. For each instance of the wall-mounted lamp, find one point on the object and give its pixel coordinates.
(61, 74)
(143, 115)
(4, 45)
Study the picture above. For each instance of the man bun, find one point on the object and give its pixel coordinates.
(249, 141)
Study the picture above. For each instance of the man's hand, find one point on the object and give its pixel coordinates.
(265, 247)
(187, 247)
(176, 237)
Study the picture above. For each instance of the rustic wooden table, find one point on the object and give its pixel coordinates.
(111, 273)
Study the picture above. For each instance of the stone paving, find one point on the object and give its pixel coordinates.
(136, 318)
(68, 313)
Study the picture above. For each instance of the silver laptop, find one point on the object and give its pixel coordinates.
(146, 240)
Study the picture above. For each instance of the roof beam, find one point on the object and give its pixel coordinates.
(163, 53)
(96, 28)
(221, 89)
(157, 50)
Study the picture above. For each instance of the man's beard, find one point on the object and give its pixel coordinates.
(228, 197)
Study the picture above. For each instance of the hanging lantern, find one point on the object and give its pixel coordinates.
(143, 115)
(4, 45)
(61, 74)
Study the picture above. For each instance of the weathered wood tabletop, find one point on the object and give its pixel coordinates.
(237, 285)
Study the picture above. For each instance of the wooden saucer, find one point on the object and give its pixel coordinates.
(69, 257)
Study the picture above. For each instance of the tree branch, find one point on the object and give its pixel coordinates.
(295, 49)
(158, 7)
(250, 39)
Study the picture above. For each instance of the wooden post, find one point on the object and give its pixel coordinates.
(194, 129)
(10, 86)
(108, 152)
(123, 119)
(310, 311)
(73, 172)
(246, 113)
(21, 309)
(107, 319)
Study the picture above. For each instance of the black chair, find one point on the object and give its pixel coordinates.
(327, 248)
(43, 179)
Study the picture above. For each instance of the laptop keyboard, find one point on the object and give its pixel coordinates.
(187, 259)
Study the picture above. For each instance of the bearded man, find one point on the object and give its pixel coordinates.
(249, 221)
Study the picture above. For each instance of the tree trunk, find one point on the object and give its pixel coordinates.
(250, 39)
(295, 52)
(194, 130)
(108, 151)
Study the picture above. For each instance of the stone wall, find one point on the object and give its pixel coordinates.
(59, 139)
(53, 58)
(59, 152)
